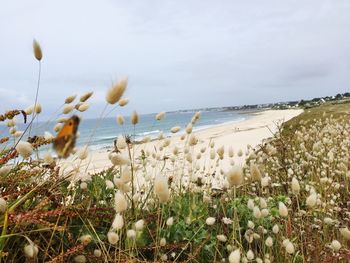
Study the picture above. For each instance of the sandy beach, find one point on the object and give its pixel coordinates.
(252, 131)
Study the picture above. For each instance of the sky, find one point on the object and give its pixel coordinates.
(179, 54)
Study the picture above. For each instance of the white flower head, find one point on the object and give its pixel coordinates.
(210, 221)
(24, 149)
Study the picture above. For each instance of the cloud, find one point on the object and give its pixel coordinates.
(13, 98)
(177, 54)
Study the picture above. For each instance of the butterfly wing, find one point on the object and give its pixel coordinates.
(65, 140)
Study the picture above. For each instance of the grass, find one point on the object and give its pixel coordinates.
(45, 208)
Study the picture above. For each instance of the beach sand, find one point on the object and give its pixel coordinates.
(252, 131)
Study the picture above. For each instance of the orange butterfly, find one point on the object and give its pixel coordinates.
(65, 140)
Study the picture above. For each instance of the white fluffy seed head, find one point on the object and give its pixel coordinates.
(295, 186)
(311, 200)
(282, 209)
(235, 176)
(275, 229)
(161, 188)
(80, 259)
(83, 186)
(220, 151)
(196, 117)
(86, 96)
(269, 242)
(221, 238)
(38, 109)
(76, 106)
(120, 119)
(85, 239)
(119, 159)
(120, 203)
(126, 175)
(264, 212)
(83, 107)
(48, 158)
(118, 222)
(175, 129)
(123, 102)
(29, 110)
(328, 221)
(230, 152)
(250, 254)
(345, 232)
(61, 120)
(139, 225)
(67, 109)
(11, 123)
(3, 205)
(250, 204)
(170, 221)
(290, 248)
(160, 115)
(113, 238)
(256, 212)
(18, 134)
(13, 130)
(255, 172)
(97, 253)
(263, 203)
(134, 118)
(109, 184)
(335, 245)
(70, 99)
(58, 127)
(24, 149)
(193, 140)
(189, 128)
(250, 224)
(210, 221)
(83, 153)
(164, 257)
(235, 256)
(162, 242)
(121, 143)
(131, 233)
(38, 54)
(117, 90)
(31, 250)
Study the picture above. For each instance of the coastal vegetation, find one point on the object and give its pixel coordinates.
(289, 202)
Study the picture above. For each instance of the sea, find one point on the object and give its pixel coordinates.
(100, 133)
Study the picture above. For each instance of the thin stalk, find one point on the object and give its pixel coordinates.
(159, 219)
(36, 99)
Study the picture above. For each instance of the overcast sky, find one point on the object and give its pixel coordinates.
(177, 54)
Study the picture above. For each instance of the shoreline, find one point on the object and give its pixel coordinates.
(250, 131)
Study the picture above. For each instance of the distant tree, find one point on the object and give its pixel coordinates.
(338, 96)
(302, 102)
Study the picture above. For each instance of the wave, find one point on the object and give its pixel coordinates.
(106, 138)
(217, 123)
(148, 133)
